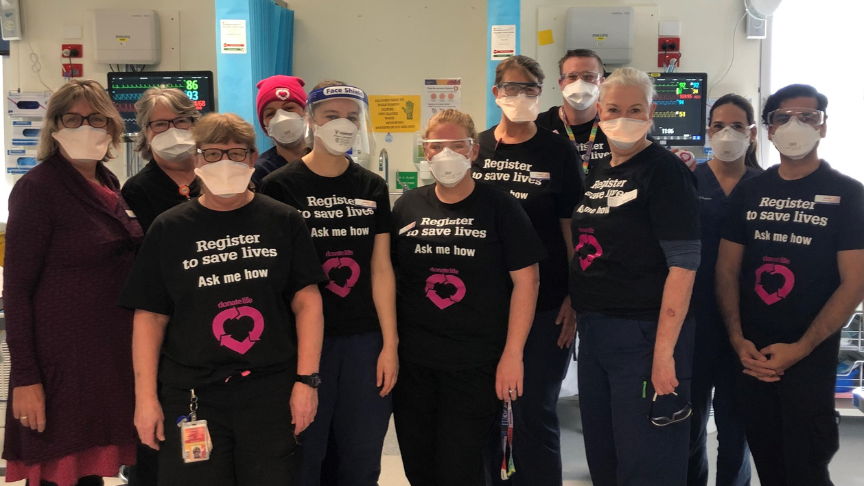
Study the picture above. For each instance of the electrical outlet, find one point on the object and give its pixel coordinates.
(664, 58)
(69, 51)
(73, 70)
(668, 44)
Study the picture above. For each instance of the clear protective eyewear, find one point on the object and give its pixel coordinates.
(738, 127)
(463, 146)
(531, 90)
(681, 415)
(587, 76)
(318, 108)
(808, 116)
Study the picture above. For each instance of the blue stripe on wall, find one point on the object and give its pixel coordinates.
(498, 12)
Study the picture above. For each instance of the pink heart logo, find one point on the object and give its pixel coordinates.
(229, 342)
(282, 93)
(335, 266)
(444, 290)
(782, 292)
(585, 261)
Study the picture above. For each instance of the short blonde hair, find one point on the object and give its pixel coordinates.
(523, 63)
(171, 98)
(64, 99)
(628, 76)
(223, 128)
(452, 116)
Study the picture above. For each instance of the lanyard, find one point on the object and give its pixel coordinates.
(507, 466)
(593, 136)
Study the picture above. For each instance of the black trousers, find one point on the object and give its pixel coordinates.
(792, 424)
(442, 421)
(250, 424)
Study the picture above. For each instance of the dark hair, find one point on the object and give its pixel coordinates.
(750, 160)
(580, 53)
(793, 91)
(524, 63)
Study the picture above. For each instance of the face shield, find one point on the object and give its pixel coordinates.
(339, 120)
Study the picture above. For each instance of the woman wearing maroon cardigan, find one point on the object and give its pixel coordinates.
(70, 242)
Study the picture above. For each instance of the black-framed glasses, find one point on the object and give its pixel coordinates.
(681, 415)
(181, 122)
(234, 154)
(532, 90)
(808, 116)
(74, 120)
(587, 76)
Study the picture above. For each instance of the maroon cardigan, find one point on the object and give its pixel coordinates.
(67, 258)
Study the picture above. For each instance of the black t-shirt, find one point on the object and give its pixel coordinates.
(551, 120)
(620, 268)
(452, 265)
(226, 280)
(151, 192)
(267, 162)
(344, 214)
(542, 173)
(792, 231)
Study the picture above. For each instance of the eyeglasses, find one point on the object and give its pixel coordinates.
(587, 76)
(681, 415)
(74, 120)
(461, 146)
(738, 127)
(808, 116)
(532, 90)
(215, 155)
(181, 122)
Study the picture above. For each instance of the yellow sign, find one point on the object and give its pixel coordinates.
(395, 113)
(544, 37)
(601, 38)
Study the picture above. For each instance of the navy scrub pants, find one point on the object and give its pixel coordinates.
(536, 433)
(792, 423)
(716, 367)
(622, 446)
(350, 408)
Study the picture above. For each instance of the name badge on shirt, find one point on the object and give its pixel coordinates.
(827, 199)
(407, 228)
(615, 201)
(363, 203)
(540, 176)
(132, 215)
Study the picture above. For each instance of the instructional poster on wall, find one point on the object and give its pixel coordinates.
(439, 95)
(233, 36)
(503, 43)
(395, 113)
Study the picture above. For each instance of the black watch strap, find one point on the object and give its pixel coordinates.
(313, 380)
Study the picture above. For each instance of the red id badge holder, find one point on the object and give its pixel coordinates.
(195, 443)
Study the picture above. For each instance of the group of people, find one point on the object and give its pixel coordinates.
(235, 318)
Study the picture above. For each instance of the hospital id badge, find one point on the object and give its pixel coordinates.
(195, 441)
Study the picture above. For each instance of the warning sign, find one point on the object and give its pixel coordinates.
(395, 113)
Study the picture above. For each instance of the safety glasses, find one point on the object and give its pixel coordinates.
(434, 147)
(814, 118)
(587, 76)
(738, 127)
(681, 415)
(531, 90)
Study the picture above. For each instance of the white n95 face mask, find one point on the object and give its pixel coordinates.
(795, 139)
(286, 127)
(581, 95)
(85, 143)
(337, 135)
(519, 108)
(173, 145)
(625, 132)
(225, 178)
(730, 145)
(449, 167)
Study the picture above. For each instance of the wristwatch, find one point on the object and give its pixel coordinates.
(313, 380)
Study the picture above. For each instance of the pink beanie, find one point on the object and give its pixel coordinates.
(279, 88)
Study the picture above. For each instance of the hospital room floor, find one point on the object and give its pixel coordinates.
(846, 469)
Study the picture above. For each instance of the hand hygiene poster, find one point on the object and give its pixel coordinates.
(395, 113)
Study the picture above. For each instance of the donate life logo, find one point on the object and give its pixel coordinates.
(585, 261)
(444, 290)
(343, 274)
(780, 293)
(236, 317)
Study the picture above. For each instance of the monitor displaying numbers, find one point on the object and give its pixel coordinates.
(127, 88)
(679, 118)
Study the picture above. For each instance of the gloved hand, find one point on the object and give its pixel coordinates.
(408, 109)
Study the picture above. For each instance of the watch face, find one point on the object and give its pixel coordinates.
(315, 381)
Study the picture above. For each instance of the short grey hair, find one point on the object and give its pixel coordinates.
(171, 98)
(628, 76)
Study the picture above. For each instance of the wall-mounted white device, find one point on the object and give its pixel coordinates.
(10, 19)
(606, 30)
(126, 36)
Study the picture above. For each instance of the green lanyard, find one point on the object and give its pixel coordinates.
(593, 136)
